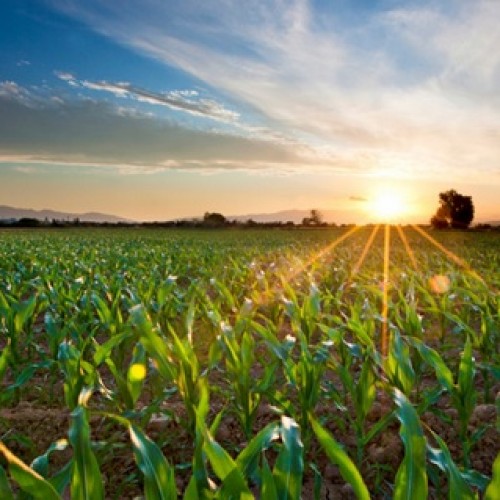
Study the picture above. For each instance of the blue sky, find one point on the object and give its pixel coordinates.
(160, 109)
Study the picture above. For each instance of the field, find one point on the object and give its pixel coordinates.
(249, 363)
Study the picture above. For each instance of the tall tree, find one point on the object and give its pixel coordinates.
(455, 210)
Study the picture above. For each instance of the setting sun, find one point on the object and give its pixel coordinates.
(387, 206)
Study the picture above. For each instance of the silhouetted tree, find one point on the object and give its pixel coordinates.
(28, 222)
(315, 219)
(455, 210)
(213, 219)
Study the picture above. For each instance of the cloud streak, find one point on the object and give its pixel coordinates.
(178, 99)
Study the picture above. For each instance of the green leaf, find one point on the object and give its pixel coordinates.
(466, 373)
(4, 360)
(493, 488)
(441, 457)
(136, 373)
(199, 481)
(103, 311)
(159, 481)
(339, 457)
(104, 350)
(431, 357)
(225, 468)
(466, 369)
(41, 463)
(398, 365)
(5, 491)
(61, 479)
(268, 487)
(86, 480)
(289, 466)
(24, 311)
(152, 342)
(249, 456)
(411, 478)
(365, 389)
(29, 481)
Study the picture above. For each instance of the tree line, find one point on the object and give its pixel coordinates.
(455, 211)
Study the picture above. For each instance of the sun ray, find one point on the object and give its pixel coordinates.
(300, 269)
(293, 274)
(368, 244)
(408, 249)
(462, 263)
(385, 300)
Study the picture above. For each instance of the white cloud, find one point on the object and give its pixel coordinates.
(183, 100)
(12, 91)
(67, 77)
(411, 89)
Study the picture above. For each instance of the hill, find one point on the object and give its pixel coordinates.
(296, 216)
(9, 213)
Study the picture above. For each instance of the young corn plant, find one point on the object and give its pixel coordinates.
(86, 479)
(239, 359)
(236, 345)
(360, 390)
(284, 481)
(397, 366)
(462, 392)
(16, 319)
(409, 323)
(158, 474)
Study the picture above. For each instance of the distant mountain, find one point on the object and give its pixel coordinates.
(9, 213)
(296, 216)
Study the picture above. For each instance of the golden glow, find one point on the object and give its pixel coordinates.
(388, 206)
(385, 300)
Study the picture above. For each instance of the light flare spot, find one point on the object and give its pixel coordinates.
(137, 372)
(439, 283)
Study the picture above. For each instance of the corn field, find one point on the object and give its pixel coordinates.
(239, 364)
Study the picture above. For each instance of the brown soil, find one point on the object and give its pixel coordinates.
(28, 429)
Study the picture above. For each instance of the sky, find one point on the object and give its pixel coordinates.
(162, 109)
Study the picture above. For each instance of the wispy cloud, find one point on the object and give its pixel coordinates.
(357, 198)
(10, 90)
(412, 89)
(184, 100)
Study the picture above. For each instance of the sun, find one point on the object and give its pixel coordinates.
(388, 206)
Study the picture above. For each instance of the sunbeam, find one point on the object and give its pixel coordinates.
(408, 249)
(385, 300)
(367, 247)
(449, 254)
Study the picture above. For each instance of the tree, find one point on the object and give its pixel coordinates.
(315, 219)
(214, 219)
(455, 210)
